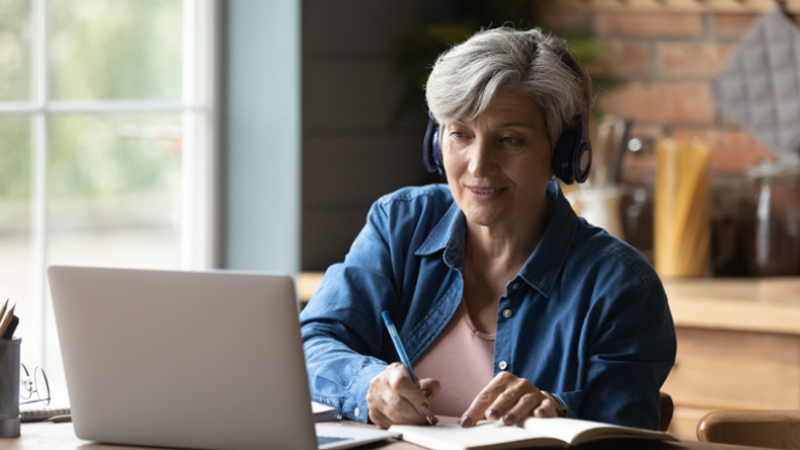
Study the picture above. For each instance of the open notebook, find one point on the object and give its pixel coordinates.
(34, 412)
(324, 413)
(534, 432)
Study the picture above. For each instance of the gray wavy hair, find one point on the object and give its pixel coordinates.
(466, 78)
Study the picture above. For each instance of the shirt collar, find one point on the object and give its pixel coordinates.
(448, 234)
(542, 268)
(545, 264)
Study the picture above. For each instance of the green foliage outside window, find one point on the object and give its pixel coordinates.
(97, 50)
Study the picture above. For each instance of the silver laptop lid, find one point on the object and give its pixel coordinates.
(183, 359)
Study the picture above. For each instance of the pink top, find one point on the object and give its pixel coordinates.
(462, 359)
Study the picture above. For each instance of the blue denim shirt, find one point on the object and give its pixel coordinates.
(589, 317)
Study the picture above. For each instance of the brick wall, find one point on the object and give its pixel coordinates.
(667, 61)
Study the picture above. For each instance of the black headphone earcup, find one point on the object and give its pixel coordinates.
(430, 146)
(431, 154)
(582, 157)
(437, 151)
(563, 157)
(582, 162)
(572, 155)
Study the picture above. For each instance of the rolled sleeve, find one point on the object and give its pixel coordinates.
(341, 327)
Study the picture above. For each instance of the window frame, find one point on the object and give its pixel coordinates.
(200, 229)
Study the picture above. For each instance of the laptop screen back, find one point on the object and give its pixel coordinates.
(183, 359)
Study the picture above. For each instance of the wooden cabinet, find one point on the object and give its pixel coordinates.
(738, 348)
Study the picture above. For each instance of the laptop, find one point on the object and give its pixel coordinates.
(207, 360)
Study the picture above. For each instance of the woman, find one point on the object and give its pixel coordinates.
(507, 303)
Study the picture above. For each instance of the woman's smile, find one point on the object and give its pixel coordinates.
(498, 164)
(484, 193)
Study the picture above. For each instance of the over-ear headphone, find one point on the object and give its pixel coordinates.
(431, 153)
(572, 155)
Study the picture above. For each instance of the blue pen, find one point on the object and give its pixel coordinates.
(398, 345)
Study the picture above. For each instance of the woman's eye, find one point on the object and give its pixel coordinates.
(511, 140)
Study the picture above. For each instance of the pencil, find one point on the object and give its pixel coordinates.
(3, 310)
(12, 326)
(7, 319)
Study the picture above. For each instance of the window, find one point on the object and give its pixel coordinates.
(107, 145)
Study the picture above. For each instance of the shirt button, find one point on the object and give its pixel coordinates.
(507, 313)
(503, 365)
(514, 286)
(357, 412)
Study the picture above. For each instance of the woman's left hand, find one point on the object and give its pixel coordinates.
(509, 398)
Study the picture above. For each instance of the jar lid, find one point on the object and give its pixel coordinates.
(785, 167)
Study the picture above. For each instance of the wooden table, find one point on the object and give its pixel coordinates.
(49, 436)
(738, 347)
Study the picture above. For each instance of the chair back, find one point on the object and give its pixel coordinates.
(766, 429)
(667, 409)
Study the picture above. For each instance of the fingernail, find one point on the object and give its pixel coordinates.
(465, 421)
(509, 419)
(426, 410)
(493, 414)
(427, 393)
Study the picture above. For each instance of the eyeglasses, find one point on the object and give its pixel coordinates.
(33, 385)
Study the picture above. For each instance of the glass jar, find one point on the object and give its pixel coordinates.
(637, 211)
(636, 207)
(681, 217)
(775, 248)
(732, 222)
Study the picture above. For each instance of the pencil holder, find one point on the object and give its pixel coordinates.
(9, 387)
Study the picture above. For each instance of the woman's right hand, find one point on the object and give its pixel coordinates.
(394, 399)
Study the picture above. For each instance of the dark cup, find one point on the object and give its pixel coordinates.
(9, 388)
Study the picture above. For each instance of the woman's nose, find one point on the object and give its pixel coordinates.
(482, 161)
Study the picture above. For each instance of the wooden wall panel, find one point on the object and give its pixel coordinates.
(381, 163)
(327, 235)
(352, 153)
(349, 96)
(356, 28)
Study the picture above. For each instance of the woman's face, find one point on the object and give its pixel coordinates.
(498, 165)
